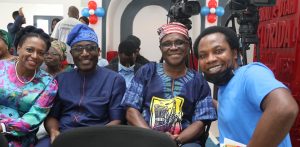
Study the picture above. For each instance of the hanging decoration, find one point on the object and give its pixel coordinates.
(93, 12)
(212, 11)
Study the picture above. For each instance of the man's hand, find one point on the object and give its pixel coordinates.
(21, 11)
(135, 118)
(173, 137)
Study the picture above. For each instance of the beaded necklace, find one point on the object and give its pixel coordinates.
(18, 75)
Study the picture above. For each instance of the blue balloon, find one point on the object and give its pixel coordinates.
(220, 11)
(85, 12)
(204, 10)
(99, 12)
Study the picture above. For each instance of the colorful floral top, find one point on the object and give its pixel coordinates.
(23, 107)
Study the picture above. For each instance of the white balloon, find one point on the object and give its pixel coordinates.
(92, 12)
(212, 10)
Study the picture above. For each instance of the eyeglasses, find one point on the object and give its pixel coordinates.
(176, 43)
(88, 48)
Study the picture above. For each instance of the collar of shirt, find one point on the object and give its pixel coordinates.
(125, 69)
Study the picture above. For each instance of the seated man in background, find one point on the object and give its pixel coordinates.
(139, 58)
(127, 65)
(169, 97)
(88, 95)
(254, 108)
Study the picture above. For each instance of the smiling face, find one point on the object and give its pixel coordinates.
(215, 54)
(31, 53)
(174, 48)
(53, 58)
(85, 55)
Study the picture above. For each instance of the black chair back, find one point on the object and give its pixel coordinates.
(3, 141)
(113, 136)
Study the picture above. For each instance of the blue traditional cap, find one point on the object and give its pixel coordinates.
(81, 32)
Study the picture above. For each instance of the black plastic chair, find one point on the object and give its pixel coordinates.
(3, 141)
(113, 136)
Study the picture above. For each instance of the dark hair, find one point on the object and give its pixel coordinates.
(134, 39)
(85, 19)
(230, 37)
(31, 31)
(15, 14)
(127, 47)
(55, 19)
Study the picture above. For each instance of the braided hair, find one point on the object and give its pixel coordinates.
(31, 31)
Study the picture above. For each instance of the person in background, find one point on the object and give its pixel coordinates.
(254, 108)
(54, 58)
(63, 28)
(127, 65)
(5, 45)
(27, 92)
(169, 97)
(84, 20)
(88, 95)
(53, 24)
(14, 28)
(101, 61)
(139, 58)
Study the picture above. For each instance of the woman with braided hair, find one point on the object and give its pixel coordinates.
(26, 92)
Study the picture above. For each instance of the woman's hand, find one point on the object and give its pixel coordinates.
(53, 135)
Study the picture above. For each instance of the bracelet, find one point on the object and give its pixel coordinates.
(3, 128)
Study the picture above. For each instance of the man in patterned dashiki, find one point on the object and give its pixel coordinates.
(169, 97)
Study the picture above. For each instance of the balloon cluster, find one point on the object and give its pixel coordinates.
(212, 11)
(92, 12)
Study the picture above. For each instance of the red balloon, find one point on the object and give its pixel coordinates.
(93, 19)
(212, 4)
(211, 18)
(92, 5)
